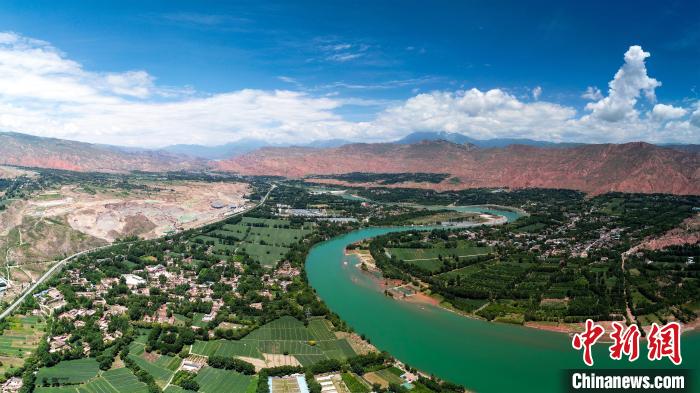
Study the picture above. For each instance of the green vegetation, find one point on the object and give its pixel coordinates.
(562, 263)
(388, 178)
(68, 372)
(237, 289)
(353, 384)
(212, 380)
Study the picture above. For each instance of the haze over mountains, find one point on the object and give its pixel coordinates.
(630, 167)
(237, 148)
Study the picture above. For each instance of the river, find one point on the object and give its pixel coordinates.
(483, 356)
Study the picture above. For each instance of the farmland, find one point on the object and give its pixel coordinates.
(285, 336)
(212, 380)
(265, 240)
(19, 340)
(120, 380)
(432, 257)
(68, 372)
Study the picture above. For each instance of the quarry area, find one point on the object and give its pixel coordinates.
(50, 225)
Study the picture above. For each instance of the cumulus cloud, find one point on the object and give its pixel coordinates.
(43, 92)
(536, 93)
(483, 114)
(695, 117)
(630, 80)
(667, 112)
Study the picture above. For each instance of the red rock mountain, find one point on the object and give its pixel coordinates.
(630, 167)
(32, 151)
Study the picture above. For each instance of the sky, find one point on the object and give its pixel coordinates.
(156, 73)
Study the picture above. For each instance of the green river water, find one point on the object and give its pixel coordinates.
(483, 356)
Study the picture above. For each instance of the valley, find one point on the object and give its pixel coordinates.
(239, 282)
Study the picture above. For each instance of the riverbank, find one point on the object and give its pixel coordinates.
(463, 350)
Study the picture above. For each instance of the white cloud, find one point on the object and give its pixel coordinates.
(629, 82)
(592, 93)
(536, 92)
(667, 112)
(480, 114)
(695, 118)
(42, 92)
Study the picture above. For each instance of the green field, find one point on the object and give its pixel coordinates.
(68, 372)
(265, 240)
(266, 255)
(226, 348)
(463, 250)
(320, 329)
(20, 340)
(120, 380)
(283, 336)
(212, 380)
(354, 384)
(161, 367)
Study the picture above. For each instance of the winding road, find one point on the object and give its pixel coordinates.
(8, 311)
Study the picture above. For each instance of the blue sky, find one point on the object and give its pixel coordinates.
(355, 70)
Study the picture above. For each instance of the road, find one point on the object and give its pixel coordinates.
(61, 263)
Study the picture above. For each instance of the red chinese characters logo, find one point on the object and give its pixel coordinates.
(586, 340)
(624, 342)
(665, 342)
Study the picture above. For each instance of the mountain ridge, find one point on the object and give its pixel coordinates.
(600, 168)
(592, 168)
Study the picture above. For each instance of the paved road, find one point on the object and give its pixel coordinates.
(62, 262)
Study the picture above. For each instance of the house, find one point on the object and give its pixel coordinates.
(192, 364)
(12, 385)
(133, 281)
(59, 343)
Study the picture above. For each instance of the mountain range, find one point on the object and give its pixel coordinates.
(33, 151)
(244, 146)
(593, 168)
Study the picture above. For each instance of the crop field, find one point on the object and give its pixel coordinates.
(226, 348)
(285, 328)
(20, 340)
(431, 265)
(268, 222)
(383, 377)
(124, 381)
(161, 367)
(276, 236)
(266, 255)
(265, 240)
(68, 372)
(320, 329)
(160, 374)
(172, 363)
(354, 384)
(212, 380)
(283, 336)
(413, 254)
(120, 380)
